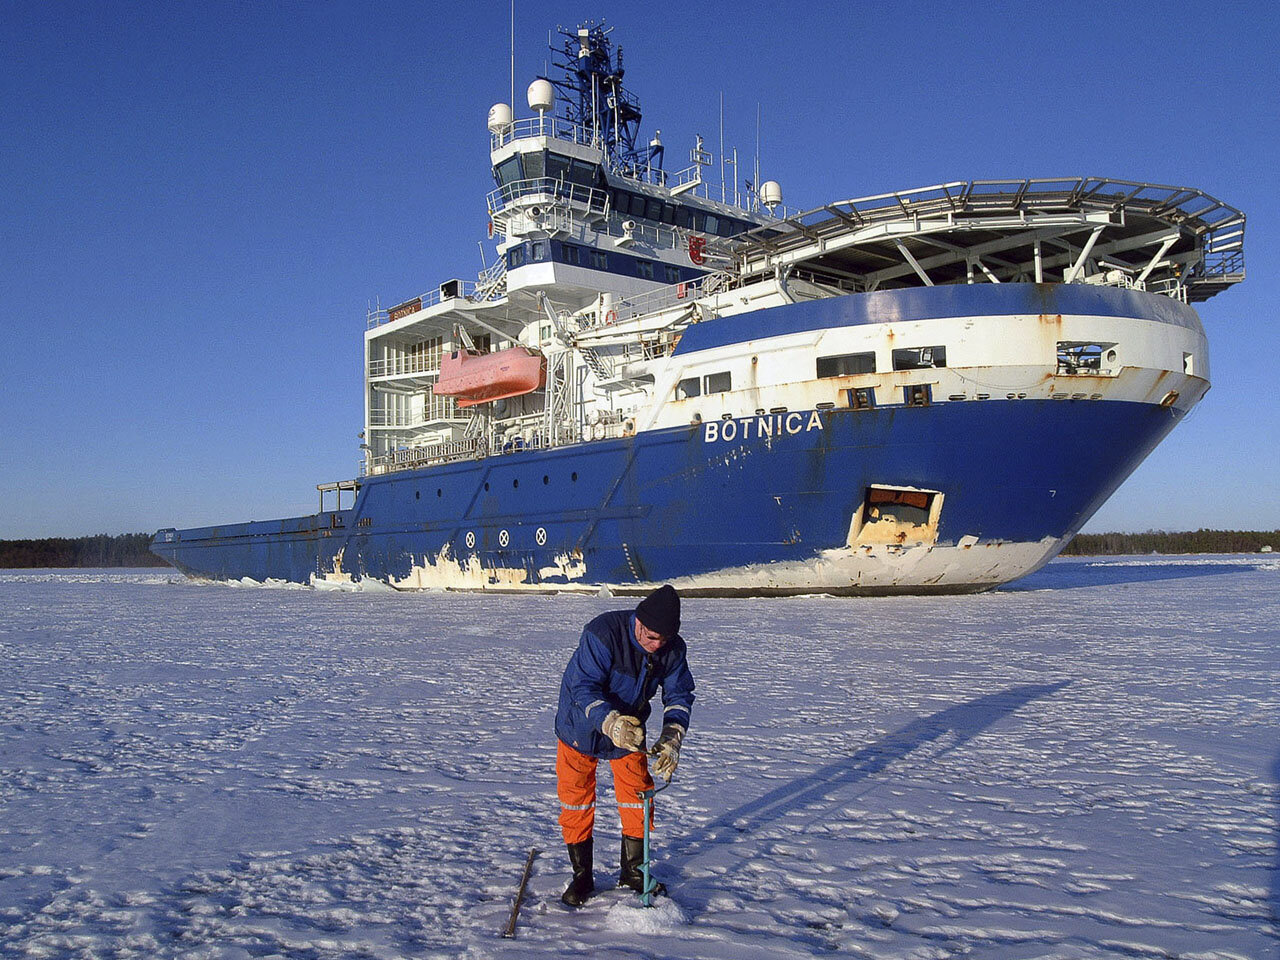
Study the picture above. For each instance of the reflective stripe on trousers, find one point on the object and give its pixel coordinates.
(576, 787)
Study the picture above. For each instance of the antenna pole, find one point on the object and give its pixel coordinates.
(513, 57)
(722, 146)
(755, 203)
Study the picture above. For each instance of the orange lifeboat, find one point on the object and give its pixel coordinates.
(475, 377)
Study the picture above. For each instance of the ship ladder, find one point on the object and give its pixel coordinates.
(598, 365)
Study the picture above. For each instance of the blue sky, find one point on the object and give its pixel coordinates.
(199, 201)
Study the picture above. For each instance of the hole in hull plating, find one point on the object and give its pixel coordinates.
(896, 515)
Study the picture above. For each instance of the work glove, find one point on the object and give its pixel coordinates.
(625, 732)
(666, 752)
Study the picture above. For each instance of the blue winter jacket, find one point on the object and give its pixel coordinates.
(611, 671)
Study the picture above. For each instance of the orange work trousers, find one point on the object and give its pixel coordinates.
(576, 786)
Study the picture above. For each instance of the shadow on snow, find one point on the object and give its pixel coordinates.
(959, 723)
(1275, 866)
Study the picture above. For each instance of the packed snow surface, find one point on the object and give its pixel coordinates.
(1083, 764)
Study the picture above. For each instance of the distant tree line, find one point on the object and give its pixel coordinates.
(1155, 541)
(103, 550)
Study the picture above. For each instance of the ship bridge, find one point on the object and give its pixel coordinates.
(1176, 241)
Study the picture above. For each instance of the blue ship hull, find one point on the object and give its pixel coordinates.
(676, 503)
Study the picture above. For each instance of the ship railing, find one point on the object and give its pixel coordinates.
(672, 295)
(664, 238)
(690, 181)
(405, 366)
(1223, 264)
(376, 317)
(1023, 196)
(556, 188)
(413, 457)
(492, 282)
(1171, 287)
(528, 128)
(388, 418)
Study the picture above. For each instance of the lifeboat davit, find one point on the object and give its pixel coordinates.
(475, 377)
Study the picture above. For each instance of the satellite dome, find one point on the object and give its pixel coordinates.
(499, 117)
(770, 193)
(542, 95)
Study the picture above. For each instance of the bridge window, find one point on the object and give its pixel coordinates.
(557, 167)
(508, 171)
(847, 364)
(644, 269)
(583, 173)
(919, 358)
(535, 164)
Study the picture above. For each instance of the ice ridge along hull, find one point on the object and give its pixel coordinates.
(772, 510)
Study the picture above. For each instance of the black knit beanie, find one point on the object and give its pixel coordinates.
(660, 611)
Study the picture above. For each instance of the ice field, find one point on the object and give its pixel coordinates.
(1083, 764)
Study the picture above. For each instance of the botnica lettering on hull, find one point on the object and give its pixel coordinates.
(761, 427)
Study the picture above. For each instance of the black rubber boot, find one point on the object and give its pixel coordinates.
(632, 860)
(582, 885)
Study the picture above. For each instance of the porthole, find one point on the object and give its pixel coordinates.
(417, 494)
(545, 480)
(514, 484)
(439, 492)
(574, 476)
(486, 486)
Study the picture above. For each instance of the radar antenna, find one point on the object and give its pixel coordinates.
(594, 99)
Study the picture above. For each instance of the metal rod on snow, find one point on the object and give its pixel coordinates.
(515, 908)
(646, 893)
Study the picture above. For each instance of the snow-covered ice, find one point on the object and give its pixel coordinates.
(1083, 764)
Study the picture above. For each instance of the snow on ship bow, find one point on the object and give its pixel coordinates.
(665, 379)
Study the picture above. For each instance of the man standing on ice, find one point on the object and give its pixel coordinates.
(622, 659)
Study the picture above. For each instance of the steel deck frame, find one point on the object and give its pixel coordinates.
(1174, 240)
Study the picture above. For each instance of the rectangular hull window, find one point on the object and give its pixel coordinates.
(688, 388)
(717, 383)
(846, 365)
(1082, 358)
(919, 358)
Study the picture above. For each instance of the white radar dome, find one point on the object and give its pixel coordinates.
(542, 96)
(770, 193)
(499, 117)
